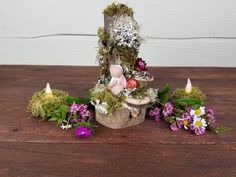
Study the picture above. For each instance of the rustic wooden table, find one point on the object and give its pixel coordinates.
(29, 147)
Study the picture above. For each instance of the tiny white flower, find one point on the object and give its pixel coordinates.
(66, 127)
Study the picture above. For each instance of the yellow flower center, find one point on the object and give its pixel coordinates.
(198, 112)
(198, 123)
(185, 123)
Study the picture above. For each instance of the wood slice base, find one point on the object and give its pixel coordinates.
(121, 118)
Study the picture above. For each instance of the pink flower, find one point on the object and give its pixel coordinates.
(83, 132)
(140, 64)
(174, 127)
(199, 130)
(168, 109)
(156, 113)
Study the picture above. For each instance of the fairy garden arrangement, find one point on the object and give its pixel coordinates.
(122, 94)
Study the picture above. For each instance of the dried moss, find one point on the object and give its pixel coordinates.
(196, 93)
(43, 107)
(103, 36)
(104, 65)
(113, 102)
(140, 92)
(119, 8)
(127, 55)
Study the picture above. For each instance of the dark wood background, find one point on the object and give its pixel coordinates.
(30, 147)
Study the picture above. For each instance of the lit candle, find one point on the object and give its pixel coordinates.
(48, 90)
(188, 87)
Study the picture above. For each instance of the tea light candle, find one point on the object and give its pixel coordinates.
(48, 90)
(188, 87)
(190, 92)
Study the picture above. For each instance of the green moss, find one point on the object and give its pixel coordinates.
(43, 107)
(104, 65)
(113, 102)
(140, 92)
(196, 93)
(103, 36)
(127, 55)
(119, 8)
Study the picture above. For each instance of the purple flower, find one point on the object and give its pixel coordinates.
(210, 111)
(211, 117)
(140, 64)
(74, 108)
(168, 109)
(199, 130)
(83, 107)
(156, 113)
(180, 123)
(174, 127)
(83, 132)
(192, 127)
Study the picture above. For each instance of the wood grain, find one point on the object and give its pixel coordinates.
(30, 147)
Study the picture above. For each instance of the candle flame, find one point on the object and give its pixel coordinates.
(48, 89)
(188, 87)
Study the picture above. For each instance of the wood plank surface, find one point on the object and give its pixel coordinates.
(30, 147)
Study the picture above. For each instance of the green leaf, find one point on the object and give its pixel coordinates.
(189, 102)
(171, 119)
(60, 114)
(220, 129)
(70, 100)
(163, 94)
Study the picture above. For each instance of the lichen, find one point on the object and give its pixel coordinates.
(119, 8)
(196, 93)
(42, 106)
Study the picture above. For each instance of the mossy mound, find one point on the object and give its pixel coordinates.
(42, 106)
(119, 8)
(196, 93)
(113, 102)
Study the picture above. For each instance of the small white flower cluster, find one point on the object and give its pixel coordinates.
(101, 107)
(152, 94)
(125, 32)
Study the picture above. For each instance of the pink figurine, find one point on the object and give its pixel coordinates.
(118, 81)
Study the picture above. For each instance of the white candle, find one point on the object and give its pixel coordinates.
(188, 87)
(48, 90)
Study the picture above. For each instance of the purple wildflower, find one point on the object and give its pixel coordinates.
(83, 132)
(180, 123)
(174, 127)
(192, 127)
(156, 113)
(74, 108)
(199, 130)
(168, 109)
(211, 117)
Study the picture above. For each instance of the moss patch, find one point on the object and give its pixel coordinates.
(127, 55)
(115, 8)
(43, 107)
(196, 93)
(113, 102)
(140, 92)
(103, 36)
